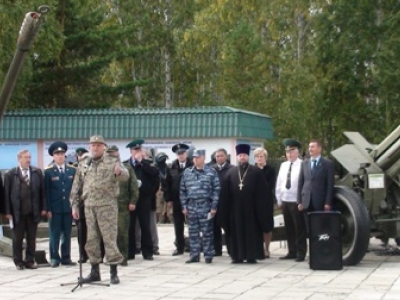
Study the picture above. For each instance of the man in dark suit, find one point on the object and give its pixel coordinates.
(149, 183)
(316, 182)
(222, 166)
(25, 204)
(58, 178)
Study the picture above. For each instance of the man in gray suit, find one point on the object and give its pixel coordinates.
(316, 183)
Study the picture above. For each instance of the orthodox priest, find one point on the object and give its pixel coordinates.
(244, 209)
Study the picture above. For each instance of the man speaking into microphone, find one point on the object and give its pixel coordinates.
(99, 194)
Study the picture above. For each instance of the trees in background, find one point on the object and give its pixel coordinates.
(317, 68)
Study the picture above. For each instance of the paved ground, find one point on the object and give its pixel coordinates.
(167, 277)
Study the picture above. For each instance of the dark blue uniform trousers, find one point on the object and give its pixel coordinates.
(198, 223)
(60, 230)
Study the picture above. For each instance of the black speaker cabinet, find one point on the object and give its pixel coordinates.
(325, 241)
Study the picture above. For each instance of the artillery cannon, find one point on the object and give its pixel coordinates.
(367, 192)
(29, 29)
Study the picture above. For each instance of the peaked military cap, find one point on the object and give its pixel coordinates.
(243, 149)
(197, 153)
(180, 148)
(291, 143)
(135, 144)
(57, 147)
(97, 139)
(79, 151)
(112, 148)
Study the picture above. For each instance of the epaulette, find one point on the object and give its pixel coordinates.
(49, 167)
(126, 161)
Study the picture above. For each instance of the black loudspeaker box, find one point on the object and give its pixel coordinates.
(325, 241)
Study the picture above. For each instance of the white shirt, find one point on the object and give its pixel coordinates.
(23, 172)
(59, 168)
(281, 192)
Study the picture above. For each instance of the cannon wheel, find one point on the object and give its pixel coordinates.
(355, 224)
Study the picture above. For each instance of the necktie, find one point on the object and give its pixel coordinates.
(26, 176)
(314, 166)
(61, 170)
(288, 178)
(182, 166)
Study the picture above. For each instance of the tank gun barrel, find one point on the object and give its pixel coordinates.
(29, 29)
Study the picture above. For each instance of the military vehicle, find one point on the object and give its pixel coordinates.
(29, 29)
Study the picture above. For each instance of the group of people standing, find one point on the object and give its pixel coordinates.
(241, 201)
(114, 202)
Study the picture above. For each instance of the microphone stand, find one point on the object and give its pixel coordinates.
(80, 281)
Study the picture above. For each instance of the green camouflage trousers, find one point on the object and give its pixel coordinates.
(101, 223)
(123, 231)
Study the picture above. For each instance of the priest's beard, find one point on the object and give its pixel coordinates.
(243, 167)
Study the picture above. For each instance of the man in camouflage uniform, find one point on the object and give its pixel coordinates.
(99, 194)
(127, 198)
(199, 193)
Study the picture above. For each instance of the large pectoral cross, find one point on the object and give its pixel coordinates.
(241, 185)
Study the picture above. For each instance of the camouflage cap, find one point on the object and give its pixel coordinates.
(97, 139)
(112, 148)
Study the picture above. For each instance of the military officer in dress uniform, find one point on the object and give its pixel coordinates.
(199, 193)
(58, 182)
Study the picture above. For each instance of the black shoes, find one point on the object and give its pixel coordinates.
(251, 261)
(69, 263)
(299, 259)
(150, 257)
(30, 266)
(177, 252)
(20, 267)
(236, 261)
(288, 256)
(156, 252)
(208, 260)
(94, 275)
(193, 260)
(54, 265)
(113, 274)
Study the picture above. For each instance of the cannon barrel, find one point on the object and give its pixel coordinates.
(29, 28)
(387, 153)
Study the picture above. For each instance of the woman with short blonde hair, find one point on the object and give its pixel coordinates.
(261, 157)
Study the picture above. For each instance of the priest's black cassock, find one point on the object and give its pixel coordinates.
(244, 212)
